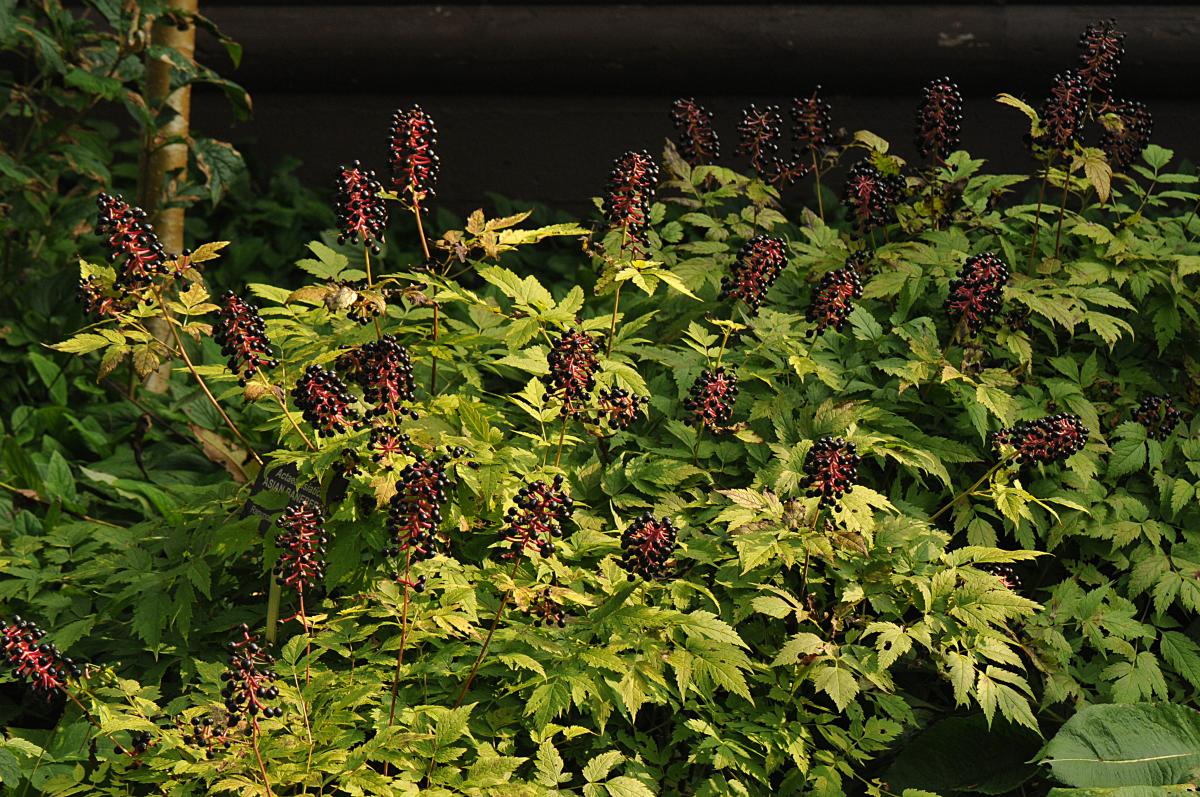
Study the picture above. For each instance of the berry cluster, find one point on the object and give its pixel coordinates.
(1063, 112)
(759, 134)
(96, 300)
(1126, 133)
(1158, 416)
(977, 294)
(647, 546)
(537, 518)
(632, 185)
(139, 743)
(1007, 574)
(698, 142)
(325, 401)
(361, 212)
(939, 119)
(544, 609)
(812, 122)
(208, 735)
(1045, 440)
(620, 407)
(758, 265)
(388, 442)
(870, 196)
(130, 235)
(248, 680)
(302, 561)
(411, 153)
(573, 366)
(383, 369)
(833, 300)
(1018, 319)
(39, 664)
(1102, 46)
(830, 468)
(242, 336)
(415, 511)
(711, 397)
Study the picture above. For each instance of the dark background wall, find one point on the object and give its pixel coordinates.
(534, 100)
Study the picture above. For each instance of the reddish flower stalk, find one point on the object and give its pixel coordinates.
(1045, 440)
(628, 197)
(711, 397)
(830, 468)
(537, 518)
(544, 609)
(412, 155)
(361, 213)
(647, 546)
(302, 561)
(698, 141)
(573, 366)
(242, 335)
(383, 369)
(39, 664)
(870, 196)
(833, 300)
(759, 134)
(389, 443)
(759, 263)
(129, 235)
(620, 407)
(98, 301)
(1063, 113)
(812, 122)
(977, 294)
(325, 401)
(415, 512)
(1101, 46)
(939, 120)
(1126, 132)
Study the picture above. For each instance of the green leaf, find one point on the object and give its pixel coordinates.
(1157, 156)
(1182, 654)
(838, 683)
(962, 754)
(60, 483)
(625, 786)
(1139, 744)
(220, 164)
(82, 343)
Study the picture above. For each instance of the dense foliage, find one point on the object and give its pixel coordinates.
(752, 502)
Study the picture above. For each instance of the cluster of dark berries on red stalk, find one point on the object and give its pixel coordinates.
(248, 679)
(647, 546)
(243, 337)
(388, 443)
(140, 742)
(620, 407)
(1045, 440)
(208, 735)
(415, 512)
(364, 308)
(977, 294)
(759, 134)
(1126, 132)
(537, 518)
(812, 122)
(830, 468)
(325, 401)
(833, 300)
(1102, 46)
(383, 369)
(39, 664)
(302, 559)
(573, 367)
(758, 265)
(698, 142)
(412, 156)
(96, 300)
(129, 235)
(361, 212)
(1063, 112)
(939, 119)
(711, 397)
(870, 196)
(1005, 572)
(629, 195)
(1018, 319)
(544, 609)
(1158, 416)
